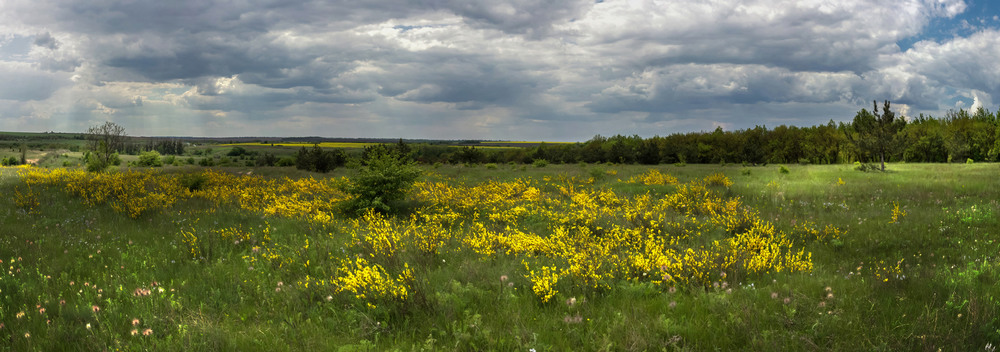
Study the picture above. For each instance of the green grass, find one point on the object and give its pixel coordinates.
(945, 295)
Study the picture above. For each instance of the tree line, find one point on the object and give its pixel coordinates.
(872, 136)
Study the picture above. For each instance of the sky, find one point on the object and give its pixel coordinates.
(554, 70)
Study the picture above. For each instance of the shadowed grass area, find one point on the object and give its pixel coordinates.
(79, 276)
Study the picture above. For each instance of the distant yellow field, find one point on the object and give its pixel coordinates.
(526, 142)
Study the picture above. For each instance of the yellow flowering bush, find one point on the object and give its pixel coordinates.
(370, 282)
(543, 282)
(653, 177)
(718, 179)
(564, 229)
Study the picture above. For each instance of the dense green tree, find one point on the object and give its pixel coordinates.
(649, 152)
(876, 133)
(469, 155)
(924, 141)
(319, 160)
(24, 152)
(303, 160)
(267, 159)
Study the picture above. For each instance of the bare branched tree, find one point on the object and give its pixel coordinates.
(105, 140)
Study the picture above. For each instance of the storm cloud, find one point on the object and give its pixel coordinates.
(514, 69)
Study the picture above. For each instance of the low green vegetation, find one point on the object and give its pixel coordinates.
(914, 267)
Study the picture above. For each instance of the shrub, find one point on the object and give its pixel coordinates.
(237, 151)
(9, 161)
(286, 161)
(491, 166)
(384, 177)
(540, 163)
(169, 160)
(783, 169)
(150, 159)
(969, 161)
(96, 164)
(864, 167)
(718, 179)
(745, 171)
(319, 160)
(597, 174)
(206, 162)
(680, 164)
(192, 181)
(266, 159)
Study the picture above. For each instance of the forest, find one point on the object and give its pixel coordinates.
(960, 136)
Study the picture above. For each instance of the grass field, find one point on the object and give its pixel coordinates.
(562, 257)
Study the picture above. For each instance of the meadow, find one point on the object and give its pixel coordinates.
(504, 257)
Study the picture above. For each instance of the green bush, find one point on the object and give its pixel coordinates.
(541, 163)
(286, 161)
(237, 151)
(266, 159)
(745, 171)
(193, 181)
(783, 169)
(150, 159)
(865, 167)
(491, 166)
(95, 164)
(384, 178)
(969, 161)
(597, 174)
(10, 161)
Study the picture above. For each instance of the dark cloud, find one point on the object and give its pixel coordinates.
(23, 84)
(534, 18)
(502, 65)
(472, 81)
(46, 40)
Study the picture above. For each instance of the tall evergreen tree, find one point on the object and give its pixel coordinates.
(877, 133)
